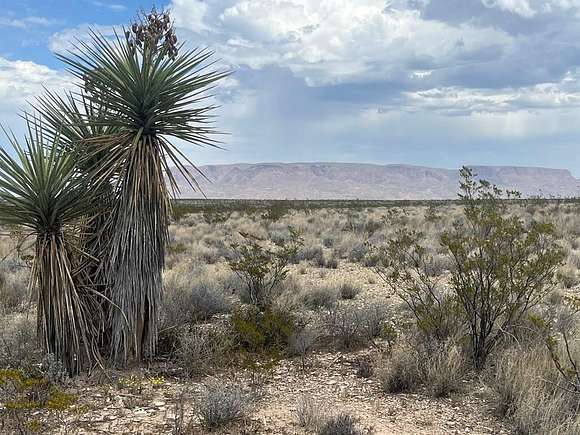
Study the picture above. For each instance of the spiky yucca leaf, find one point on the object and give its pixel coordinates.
(74, 119)
(147, 98)
(40, 190)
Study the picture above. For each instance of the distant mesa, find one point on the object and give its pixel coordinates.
(367, 181)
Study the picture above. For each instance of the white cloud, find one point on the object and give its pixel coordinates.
(530, 8)
(336, 41)
(464, 101)
(26, 22)
(115, 7)
(190, 14)
(22, 80)
(519, 7)
(65, 40)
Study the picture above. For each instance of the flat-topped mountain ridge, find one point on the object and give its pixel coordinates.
(367, 181)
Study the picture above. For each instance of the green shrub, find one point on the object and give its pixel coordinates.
(262, 269)
(501, 269)
(405, 268)
(262, 332)
(517, 260)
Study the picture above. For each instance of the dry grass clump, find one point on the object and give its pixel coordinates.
(348, 290)
(203, 350)
(316, 418)
(341, 424)
(18, 344)
(400, 371)
(222, 403)
(444, 370)
(319, 297)
(413, 363)
(531, 393)
(309, 413)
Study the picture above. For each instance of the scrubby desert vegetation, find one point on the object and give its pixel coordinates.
(124, 313)
(427, 318)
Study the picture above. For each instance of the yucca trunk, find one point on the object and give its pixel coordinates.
(64, 310)
(139, 222)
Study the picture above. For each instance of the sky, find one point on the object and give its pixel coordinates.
(439, 83)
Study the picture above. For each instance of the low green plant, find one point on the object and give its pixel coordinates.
(261, 337)
(262, 332)
(30, 404)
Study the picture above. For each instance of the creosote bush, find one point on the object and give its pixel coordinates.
(502, 267)
(260, 268)
(263, 332)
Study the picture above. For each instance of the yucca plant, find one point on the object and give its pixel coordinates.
(41, 192)
(148, 90)
(74, 119)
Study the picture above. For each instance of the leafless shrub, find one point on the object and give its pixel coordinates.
(364, 367)
(310, 253)
(202, 350)
(302, 341)
(18, 346)
(187, 305)
(14, 293)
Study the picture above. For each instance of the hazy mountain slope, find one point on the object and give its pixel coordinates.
(367, 181)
